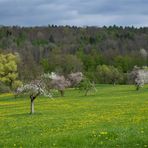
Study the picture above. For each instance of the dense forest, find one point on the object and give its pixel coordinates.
(104, 54)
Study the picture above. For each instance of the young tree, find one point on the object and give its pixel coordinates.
(34, 89)
(86, 85)
(60, 83)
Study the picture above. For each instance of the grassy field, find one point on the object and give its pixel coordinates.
(113, 117)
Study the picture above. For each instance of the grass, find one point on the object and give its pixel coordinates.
(113, 117)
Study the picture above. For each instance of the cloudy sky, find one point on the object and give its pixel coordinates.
(74, 12)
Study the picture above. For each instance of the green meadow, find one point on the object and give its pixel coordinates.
(115, 116)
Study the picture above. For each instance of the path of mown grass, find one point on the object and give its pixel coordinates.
(113, 117)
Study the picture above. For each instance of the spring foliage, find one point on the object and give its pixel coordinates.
(86, 86)
(8, 70)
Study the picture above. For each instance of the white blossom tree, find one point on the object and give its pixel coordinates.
(34, 89)
(143, 53)
(57, 82)
(60, 83)
(139, 81)
(53, 81)
(75, 78)
(139, 76)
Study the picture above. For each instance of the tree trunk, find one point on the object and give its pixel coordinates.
(86, 92)
(61, 92)
(137, 87)
(32, 98)
(32, 107)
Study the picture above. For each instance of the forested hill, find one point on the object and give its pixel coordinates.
(68, 49)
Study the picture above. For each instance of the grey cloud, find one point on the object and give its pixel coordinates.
(74, 12)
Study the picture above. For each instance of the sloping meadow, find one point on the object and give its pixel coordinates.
(115, 116)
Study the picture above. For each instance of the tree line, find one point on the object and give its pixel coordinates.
(104, 55)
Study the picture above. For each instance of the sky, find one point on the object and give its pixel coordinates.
(74, 12)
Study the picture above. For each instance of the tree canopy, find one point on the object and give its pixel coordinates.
(8, 70)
